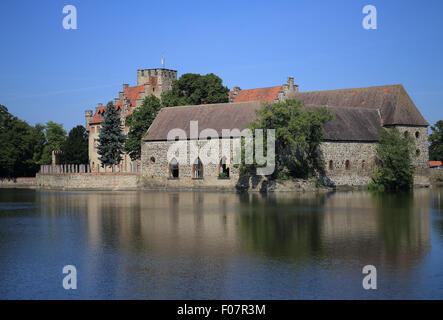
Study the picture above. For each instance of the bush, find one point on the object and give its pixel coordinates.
(394, 157)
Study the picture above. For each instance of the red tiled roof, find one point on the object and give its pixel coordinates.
(260, 94)
(435, 163)
(131, 93)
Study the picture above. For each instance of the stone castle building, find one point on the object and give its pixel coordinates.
(149, 81)
(348, 148)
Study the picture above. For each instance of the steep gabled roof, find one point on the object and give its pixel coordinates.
(395, 105)
(209, 116)
(348, 124)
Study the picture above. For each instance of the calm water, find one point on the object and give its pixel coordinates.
(185, 245)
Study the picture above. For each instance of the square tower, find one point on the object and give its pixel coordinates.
(165, 77)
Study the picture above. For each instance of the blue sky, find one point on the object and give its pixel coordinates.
(49, 73)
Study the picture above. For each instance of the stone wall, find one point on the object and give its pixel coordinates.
(352, 165)
(89, 181)
(420, 136)
(155, 168)
(18, 183)
(361, 162)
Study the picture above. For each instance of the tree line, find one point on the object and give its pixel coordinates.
(23, 148)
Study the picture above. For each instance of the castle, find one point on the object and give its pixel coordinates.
(348, 148)
(149, 81)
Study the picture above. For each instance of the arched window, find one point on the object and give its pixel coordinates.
(417, 134)
(223, 168)
(173, 169)
(197, 169)
(331, 165)
(347, 165)
(363, 165)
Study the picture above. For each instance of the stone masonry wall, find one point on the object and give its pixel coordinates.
(155, 168)
(86, 181)
(361, 157)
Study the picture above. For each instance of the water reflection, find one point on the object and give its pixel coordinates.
(200, 245)
(351, 226)
(345, 226)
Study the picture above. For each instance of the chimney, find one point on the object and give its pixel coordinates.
(100, 105)
(116, 101)
(125, 85)
(291, 82)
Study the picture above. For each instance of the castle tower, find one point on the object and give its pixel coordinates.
(165, 77)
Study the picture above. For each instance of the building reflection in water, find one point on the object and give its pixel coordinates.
(170, 240)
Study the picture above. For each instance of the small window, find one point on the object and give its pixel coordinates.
(347, 165)
(417, 152)
(363, 165)
(224, 168)
(173, 169)
(152, 159)
(197, 169)
(417, 134)
(331, 165)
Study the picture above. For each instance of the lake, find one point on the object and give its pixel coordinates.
(204, 245)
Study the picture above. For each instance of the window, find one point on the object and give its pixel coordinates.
(347, 165)
(417, 134)
(331, 165)
(153, 159)
(223, 168)
(173, 169)
(197, 169)
(417, 152)
(363, 165)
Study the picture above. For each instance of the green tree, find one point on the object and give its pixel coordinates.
(394, 155)
(436, 142)
(16, 146)
(138, 123)
(110, 138)
(193, 89)
(39, 141)
(55, 137)
(298, 134)
(75, 147)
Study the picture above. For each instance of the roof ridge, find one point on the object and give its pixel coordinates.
(209, 104)
(350, 89)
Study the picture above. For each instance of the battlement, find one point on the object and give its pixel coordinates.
(165, 77)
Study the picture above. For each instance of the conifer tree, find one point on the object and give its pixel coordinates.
(110, 138)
